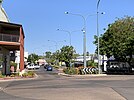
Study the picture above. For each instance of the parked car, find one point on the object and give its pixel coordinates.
(36, 66)
(49, 68)
(32, 66)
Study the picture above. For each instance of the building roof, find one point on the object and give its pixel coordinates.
(12, 25)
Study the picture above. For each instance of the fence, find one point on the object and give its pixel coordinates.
(9, 38)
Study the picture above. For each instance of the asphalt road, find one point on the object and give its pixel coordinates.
(51, 86)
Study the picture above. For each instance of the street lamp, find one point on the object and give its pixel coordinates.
(84, 30)
(67, 32)
(84, 35)
(98, 36)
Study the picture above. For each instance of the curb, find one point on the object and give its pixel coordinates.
(86, 75)
(63, 74)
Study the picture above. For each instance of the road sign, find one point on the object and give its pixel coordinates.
(91, 70)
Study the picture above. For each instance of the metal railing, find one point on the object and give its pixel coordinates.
(9, 38)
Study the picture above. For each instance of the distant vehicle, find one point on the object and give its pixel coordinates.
(49, 68)
(45, 67)
(36, 66)
(32, 66)
(0, 66)
(118, 67)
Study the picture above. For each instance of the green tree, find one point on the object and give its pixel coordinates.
(67, 54)
(75, 55)
(32, 58)
(48, 56)
(118, 40)
(91, 63)
(56, 57)
(1, 1)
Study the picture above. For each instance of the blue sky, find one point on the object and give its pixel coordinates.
(42, 18)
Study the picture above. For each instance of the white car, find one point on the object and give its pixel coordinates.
(36, 66)
(32, 66)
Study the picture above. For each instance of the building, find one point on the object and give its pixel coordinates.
(3, 15)
(80, 58)
(11, 39)
(17, 58)
(42, 62)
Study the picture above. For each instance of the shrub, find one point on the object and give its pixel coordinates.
(71, 71)
(30, 73)
(12, 75)
(91, 63)
(56, 67)
(1, 76)
(25, 74)
(16, 74)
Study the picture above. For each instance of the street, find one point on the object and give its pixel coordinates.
(51, 86)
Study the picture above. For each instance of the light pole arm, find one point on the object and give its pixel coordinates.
(98, 4)
(67, 32)
(80, 16)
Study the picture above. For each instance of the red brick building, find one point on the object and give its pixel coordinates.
(11, 39)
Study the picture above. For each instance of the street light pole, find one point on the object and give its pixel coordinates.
(84, 31)
(84, 43)
(98, 36)
(84, 36)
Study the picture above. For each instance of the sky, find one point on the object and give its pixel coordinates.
(41, 19)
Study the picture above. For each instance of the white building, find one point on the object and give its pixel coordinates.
(3, 15)
(42, 62)
(17, 60)
(80, 58)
